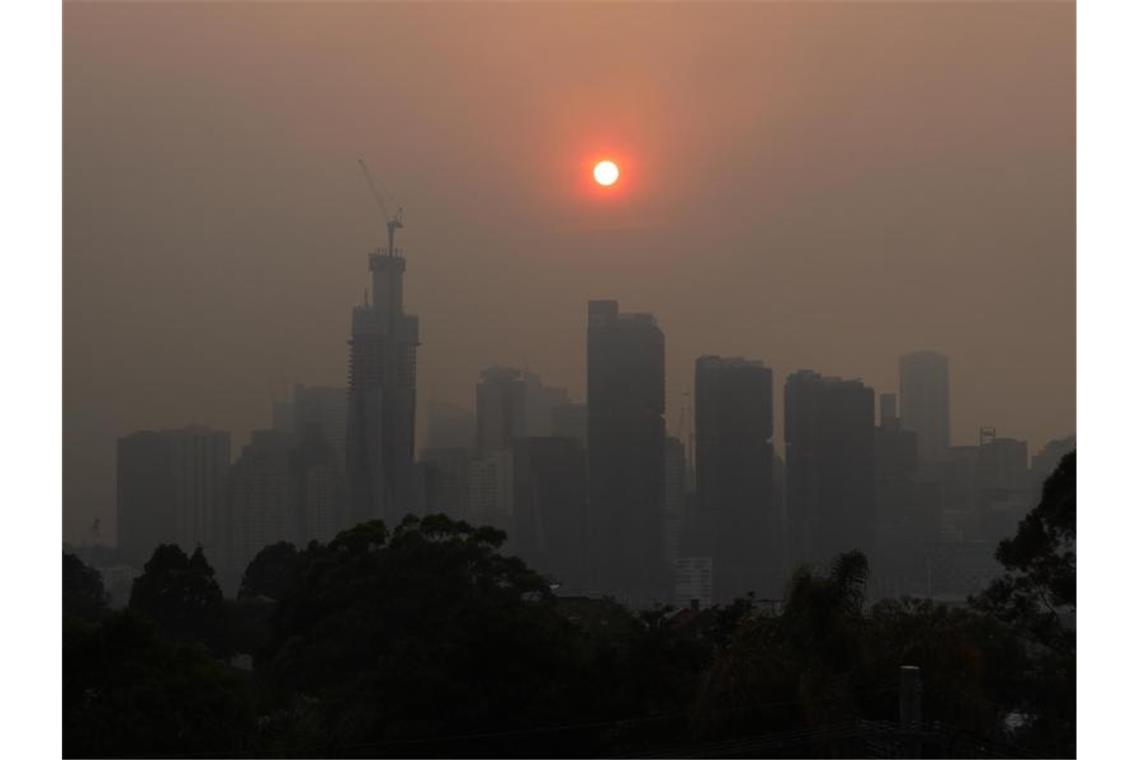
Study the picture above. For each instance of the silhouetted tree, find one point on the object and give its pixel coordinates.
(414, 641)
(129, 693)
(427, 632)
(180, 594)
(1037, 598)
(272, 573)
(83, 592)
(1039, 586)
(803, 664)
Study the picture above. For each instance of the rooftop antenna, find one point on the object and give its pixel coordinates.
(393, 223)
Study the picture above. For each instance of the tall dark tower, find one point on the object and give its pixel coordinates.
(829, 434)
(380, 445)
(735, 492)
(924, 401)
(626, 453)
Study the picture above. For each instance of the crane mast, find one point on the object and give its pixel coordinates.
(394, 222)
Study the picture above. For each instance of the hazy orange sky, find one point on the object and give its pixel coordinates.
(818, 185)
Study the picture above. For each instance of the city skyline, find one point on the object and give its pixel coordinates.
(584, 379)
(218, 271)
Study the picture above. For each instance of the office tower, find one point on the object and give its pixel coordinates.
(170, 486)
(1002, 463)
(734, 474)
(924, 400)
(693, 582)
(541, 401)
(491, 489)
(513, 403)
(380, 429)
(569, 421)
(903, 521)
(626, 434)
(317, 470)
(322, 411)
(446, 487)
(829, 434)
(550, 507)
(450, 426)
(500, 408)
(676, 490)
(1004, 487)
(261, 502)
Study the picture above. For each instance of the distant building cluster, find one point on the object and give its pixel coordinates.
(596, 495)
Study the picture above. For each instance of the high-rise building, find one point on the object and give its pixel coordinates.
(734, 475)
(317, 470)
(693, 582)
(491, 489)
(569, 421)
(512, 403)
(829, 434)
(550, 506)
(261, 502)
(904, 521)
(449, 426)
(322, 412)
(1004, 486)
(380, 429)
(626, 434)
(1003, 464)
(447, 473)
(924, 400)
(500, 408)
(541, 401)
(170, 488)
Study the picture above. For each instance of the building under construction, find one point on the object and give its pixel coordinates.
(380, 445)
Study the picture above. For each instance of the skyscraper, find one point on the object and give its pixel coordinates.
(626, 452)
(829, 432)
(734, 474)
(500, 408)
(513, 403)
(170, 488)
(924, 401)
(380, 434)
(261, 503)
(491, 489)
(447, 474)
(550, 506)
(569, 421)
(904, 521)
(320, 411)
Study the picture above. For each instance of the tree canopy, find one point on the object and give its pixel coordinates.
(180, 594)
(427, 640)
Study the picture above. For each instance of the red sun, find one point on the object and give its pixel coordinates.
(606, 173)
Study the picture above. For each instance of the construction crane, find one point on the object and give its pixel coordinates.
(393, 223)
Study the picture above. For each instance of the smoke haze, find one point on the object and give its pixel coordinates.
(821, 186)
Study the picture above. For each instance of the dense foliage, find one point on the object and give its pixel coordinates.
(427, 641)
